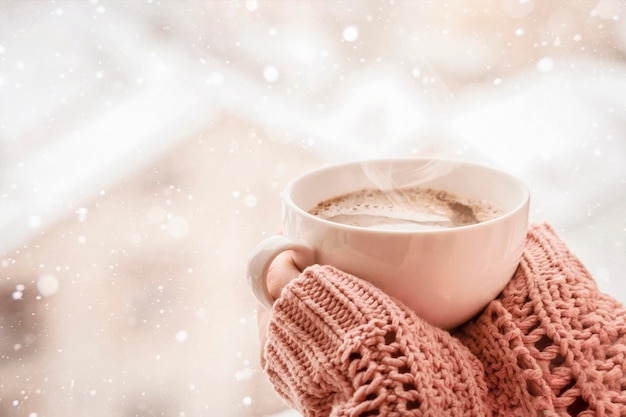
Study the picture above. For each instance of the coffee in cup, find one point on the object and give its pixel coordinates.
(410, 208)
(445, 274)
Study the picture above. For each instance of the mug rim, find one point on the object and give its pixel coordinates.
(288, 200)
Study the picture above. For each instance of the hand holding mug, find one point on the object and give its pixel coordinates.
(445, 272)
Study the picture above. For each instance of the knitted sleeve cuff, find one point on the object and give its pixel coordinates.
(337, 345)
(552, 342)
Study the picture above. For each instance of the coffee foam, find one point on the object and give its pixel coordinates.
(406, 208)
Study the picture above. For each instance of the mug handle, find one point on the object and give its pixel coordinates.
(263, 255)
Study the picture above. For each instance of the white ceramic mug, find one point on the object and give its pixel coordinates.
(445, 275)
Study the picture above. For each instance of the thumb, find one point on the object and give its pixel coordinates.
(282, 270)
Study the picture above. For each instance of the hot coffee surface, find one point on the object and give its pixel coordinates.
(411, 208)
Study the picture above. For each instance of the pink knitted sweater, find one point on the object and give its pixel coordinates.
(551, 344)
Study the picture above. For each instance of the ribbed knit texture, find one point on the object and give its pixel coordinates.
(551, 344)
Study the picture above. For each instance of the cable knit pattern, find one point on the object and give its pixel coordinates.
(338, 346)
(550, 345)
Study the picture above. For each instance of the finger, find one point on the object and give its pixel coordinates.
(282, 270)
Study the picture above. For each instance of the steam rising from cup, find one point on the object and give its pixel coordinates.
(384, 178)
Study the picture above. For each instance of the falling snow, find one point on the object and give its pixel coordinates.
(270, 73)
(545, 65)
(250, 200)
(181, 336)
(252, 5)
(82, 214)
(34, 222)
(18, 293)
(350, 33)
(244, 374)
(145, 161)
(177, 227)
(47, 285)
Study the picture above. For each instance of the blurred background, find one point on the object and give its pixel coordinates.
(143, 146)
